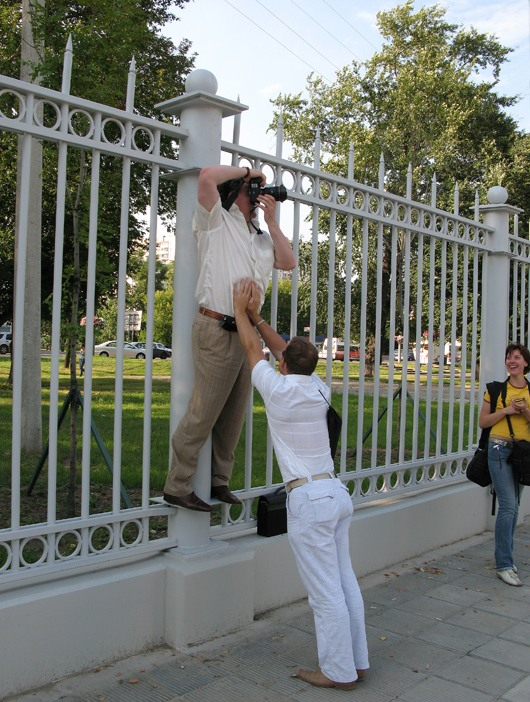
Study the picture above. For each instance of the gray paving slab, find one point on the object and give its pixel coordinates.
(520, 692)
(438, 690)
(512, 655)
(434, 609)
(440, 628)
(486, 676)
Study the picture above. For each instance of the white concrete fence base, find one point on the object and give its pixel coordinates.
(67, 626)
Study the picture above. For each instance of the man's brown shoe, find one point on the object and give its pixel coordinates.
(318, 679)
(190, 501)
(222, 493)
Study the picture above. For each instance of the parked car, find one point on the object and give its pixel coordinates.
(337, 350)
(410, 355)
(355, 352)
(159, 350)
(5, 342)
(110, 348)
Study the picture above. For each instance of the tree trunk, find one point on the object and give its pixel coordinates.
(29, 355)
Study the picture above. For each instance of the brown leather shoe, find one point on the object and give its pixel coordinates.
(222, 493)
(190, 501)
(361, 674)
(318, 679)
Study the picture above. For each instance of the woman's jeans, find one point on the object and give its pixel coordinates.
(507, 492)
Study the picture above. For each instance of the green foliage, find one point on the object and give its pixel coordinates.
(419, 101)
(516, 179)
(284, 306)
(106, 34)
(163, 326)
(427, 99)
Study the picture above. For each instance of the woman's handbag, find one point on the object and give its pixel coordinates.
(477, 469)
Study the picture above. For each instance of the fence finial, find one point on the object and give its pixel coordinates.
(434, 187)
(317, 149)
(351, 161)
(67, 67)
(279, 137)
(381, 172)
(131, 86)
(497, 195)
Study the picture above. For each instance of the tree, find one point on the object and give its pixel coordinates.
(106, 34)
(283, 316)
(138, 272)
(516, 179)
(421, 100)
(163, 324)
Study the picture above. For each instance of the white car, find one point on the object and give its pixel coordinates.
(5, 342)
(110, 348)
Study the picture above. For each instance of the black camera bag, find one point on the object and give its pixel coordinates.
(272, 513)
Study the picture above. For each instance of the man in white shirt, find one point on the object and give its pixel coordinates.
(319, 507)
(230, 246)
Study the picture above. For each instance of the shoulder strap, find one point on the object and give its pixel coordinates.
(495, 388)
(508, 420)
(320, 391)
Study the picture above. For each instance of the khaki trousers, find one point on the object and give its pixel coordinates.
(217, 404)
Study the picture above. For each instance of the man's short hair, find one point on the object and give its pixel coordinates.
(301, 356)
(525, 353)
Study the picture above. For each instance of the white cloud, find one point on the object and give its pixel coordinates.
(506, 20)
(272, 89)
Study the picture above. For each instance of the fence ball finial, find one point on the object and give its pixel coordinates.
(497, 195)
(201, 80)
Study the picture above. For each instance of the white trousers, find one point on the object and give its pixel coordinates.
(318, 519)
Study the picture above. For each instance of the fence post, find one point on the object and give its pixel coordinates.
(200, 112)
(496, 286)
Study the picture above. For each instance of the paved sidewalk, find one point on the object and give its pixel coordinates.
(442, 628)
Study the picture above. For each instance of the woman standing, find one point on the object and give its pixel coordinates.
(513, 407)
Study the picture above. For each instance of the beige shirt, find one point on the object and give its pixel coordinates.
(228, 251)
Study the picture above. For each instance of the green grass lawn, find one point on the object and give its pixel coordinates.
(132, 426)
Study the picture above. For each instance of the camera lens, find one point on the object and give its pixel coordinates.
(278, 192)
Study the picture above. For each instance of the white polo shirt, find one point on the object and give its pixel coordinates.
(228, 251)
(296, 412)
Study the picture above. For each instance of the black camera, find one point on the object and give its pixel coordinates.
(228, 323)
(278, 192)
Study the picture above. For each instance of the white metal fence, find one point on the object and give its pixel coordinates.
(421, 278)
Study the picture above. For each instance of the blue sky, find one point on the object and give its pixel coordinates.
(260, 48)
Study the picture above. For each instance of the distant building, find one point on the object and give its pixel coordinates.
(165, 247)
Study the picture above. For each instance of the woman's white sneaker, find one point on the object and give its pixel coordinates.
(509, 577)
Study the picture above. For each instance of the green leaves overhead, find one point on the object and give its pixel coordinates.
(426, 98)
(106, 34)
